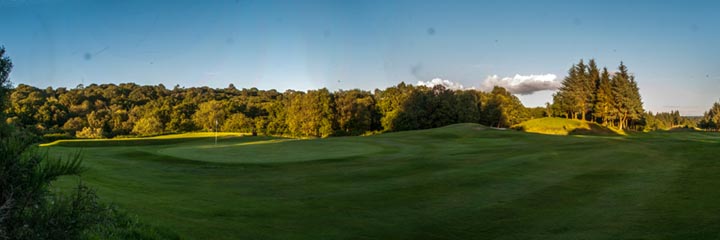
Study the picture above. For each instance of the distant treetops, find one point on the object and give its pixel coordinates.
(610, 98)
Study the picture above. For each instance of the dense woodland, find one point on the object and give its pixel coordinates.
(110, 110)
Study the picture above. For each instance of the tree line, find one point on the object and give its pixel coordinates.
(109, 110)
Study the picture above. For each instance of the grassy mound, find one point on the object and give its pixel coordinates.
(562, 126)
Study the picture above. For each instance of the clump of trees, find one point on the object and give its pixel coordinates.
(667, 120)
(108, 110)
(591, 94)
(711, 118)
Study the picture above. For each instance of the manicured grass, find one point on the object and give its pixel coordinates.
(458, 182)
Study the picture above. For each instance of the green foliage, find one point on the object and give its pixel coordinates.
(119, 225)
(311, 113)
(148, 126)
(711, 118)
(28, 208)
(88, 132)
(502, 109)
(612, 100)
(5, 69)
(538, 112)
(109, 110)
(355, 111)
(238, 122)
(211, 115)
(667, 121)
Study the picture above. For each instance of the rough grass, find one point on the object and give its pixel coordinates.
(562, 126)
(458, 182)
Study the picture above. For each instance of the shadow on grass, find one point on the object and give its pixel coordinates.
(593, 129)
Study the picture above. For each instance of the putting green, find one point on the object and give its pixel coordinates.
(263, 150)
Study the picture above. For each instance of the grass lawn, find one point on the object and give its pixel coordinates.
(458, 182)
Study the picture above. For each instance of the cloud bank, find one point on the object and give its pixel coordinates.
(522, 84)
(446, 83)
(518, 84)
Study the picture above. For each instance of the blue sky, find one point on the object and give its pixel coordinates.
(670, 46)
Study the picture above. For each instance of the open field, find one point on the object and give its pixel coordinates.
(458, 182)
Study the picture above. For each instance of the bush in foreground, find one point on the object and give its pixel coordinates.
(29, 210)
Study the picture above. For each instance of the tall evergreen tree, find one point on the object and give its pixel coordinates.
(592, 79)
(603, 98)
(574, 96)
(636, 104)
(628, 104)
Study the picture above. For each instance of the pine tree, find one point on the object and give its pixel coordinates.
(604, 99)
(628, 103)
(636, 104)
(570, 95)
(582, 89)
(575, 95)
(592, 79)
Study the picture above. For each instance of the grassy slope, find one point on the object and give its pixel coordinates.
(457, 182)
(562, 126)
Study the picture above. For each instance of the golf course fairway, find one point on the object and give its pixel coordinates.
(463, 181)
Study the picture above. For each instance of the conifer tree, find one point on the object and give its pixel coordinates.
(592, 79)
(603, 98)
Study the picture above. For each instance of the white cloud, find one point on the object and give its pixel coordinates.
(523, 85)
(437, 81)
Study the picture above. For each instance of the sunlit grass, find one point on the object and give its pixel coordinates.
(562, 126)
(463, 181)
